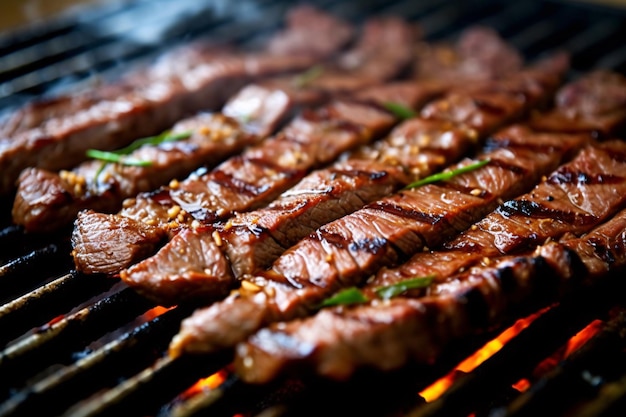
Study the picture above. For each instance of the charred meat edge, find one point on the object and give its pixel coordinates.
(194, 78)
(289, 295)
(249, 242)
(259, 174)
(418, 328)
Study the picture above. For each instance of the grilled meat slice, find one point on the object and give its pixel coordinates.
(184, 82)
(596, 103)
(337, 341)
(367, 64)
(103, 252)
(347, 251)
(479, 54)
(258, 109)
(257, 176)
(47, 201)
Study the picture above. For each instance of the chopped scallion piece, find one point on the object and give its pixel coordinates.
(446, 175)
(350, 295)
(116, 158)
(400, 110)
(153, 140)
(389, 291)
(307, 77)
(119, 156)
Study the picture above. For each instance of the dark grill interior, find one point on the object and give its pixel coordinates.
(86, 346)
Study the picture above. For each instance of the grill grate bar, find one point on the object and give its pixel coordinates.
(54, 342)
(22, 274)
(164, 380)
(122, 357)
(48, 301)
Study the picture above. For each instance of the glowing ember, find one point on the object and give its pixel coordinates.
(521, 385)
(580, 338)
(155, 312)
(210, 382)
(572, 345)
(435, 390)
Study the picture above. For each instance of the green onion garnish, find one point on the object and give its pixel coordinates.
(307, 77)
(399, 110)
(389, 291)
(446, 175)
(116, 158)
(350, 295)
(119, 156)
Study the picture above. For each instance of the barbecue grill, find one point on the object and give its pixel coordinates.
(86, 346)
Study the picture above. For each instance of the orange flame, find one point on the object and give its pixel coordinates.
(435, 390)
(580, 338)
(210, 382)
(572, 345)
(155, 312)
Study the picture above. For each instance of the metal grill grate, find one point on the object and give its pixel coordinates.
(84, 346)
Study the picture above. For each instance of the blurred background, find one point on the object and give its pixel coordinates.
(17, 13)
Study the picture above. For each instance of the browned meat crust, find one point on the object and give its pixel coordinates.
(182, 82)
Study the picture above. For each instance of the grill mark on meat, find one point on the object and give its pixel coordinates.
(248, 188)
(391, 207)
(181, 83)
(533, 209)
(416, 329)
(284, 293)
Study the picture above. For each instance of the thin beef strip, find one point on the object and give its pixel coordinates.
(596, 103)
(258, 175)
(251, 241)
(330, 258)
(183, 82)
(339, 340)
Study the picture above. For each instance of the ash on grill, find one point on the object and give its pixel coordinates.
(86, 346)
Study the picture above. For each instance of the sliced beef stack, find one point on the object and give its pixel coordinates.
(346, 186)
(260, 173)
(55, 135)
(346, 252)
(277, 180)
(46, 201)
